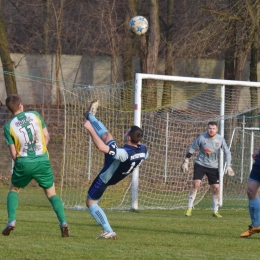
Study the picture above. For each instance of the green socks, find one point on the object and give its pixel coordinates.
(12, 204)
(57, 206)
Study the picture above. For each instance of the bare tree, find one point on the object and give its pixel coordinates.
(127, 49)
(186, 33)
(254, 10)
(253, 7)
(150, 93)
(154, 38)
(166, 98)
(110, 29)
(9, 76)
(58, 12)
(46, 25)
(241, 19)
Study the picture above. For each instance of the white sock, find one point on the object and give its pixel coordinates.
(191, 198)
(215, 203)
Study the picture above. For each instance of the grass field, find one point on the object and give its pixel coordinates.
(149, 234)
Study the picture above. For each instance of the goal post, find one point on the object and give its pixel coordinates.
(137, 122)
(172, 111)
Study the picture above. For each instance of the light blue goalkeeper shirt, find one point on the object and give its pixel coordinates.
(209, 149)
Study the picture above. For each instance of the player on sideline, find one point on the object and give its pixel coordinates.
(207, 163)
(119, 162)
(253, 197)
(27, 137)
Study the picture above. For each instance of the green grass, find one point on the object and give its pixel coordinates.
(149, 234)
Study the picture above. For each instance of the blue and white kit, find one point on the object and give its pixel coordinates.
(119, 163)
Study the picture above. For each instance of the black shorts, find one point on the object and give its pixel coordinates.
(212, 174)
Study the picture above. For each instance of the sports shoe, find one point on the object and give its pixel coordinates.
(106, 234)
(251, 230)
(92, 108)
(216, 215)
(188, 212)
(9, 227)
(64, 228)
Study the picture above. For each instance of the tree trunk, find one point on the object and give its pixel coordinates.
(127, 56)
(253, 77)
(56, 91)
(150, 88)
(154, 38)
(46, 25)
(253, 65)
(253, 73)
(229, 70)
(7, 63)
(127, 64)
(115, 73)
(167, 87)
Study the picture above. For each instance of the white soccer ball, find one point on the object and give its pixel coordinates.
(138, 25)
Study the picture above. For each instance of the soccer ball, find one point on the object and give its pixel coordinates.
(138, 25)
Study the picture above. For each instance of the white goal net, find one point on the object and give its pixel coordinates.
(173, 111)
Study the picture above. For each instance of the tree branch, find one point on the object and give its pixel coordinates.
(224, 15)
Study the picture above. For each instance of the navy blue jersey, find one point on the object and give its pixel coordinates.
(120, 162)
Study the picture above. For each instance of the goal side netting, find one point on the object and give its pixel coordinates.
(172, 111)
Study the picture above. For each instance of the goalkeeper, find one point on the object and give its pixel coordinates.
(119, 163)
(207, 163)
(27, 137)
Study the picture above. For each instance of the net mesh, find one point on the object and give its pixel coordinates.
(173, 115)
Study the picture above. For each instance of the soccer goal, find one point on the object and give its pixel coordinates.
(172, 111)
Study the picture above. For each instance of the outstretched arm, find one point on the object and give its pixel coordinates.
(101, 146)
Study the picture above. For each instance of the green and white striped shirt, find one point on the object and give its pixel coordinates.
(25, 131)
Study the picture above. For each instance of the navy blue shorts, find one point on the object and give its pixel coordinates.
(96, 189)
(255, 173)
(211, 173)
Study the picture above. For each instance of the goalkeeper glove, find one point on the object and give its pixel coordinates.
(185, 166)
(229, 171)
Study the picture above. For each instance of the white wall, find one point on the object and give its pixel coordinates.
(35, 74)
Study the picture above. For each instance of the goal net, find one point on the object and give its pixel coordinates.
(172, 111)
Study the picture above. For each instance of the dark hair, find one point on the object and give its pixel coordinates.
(12, 102)
(136, 134)
(213, 123)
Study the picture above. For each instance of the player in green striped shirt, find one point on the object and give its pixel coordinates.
(27, 138)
